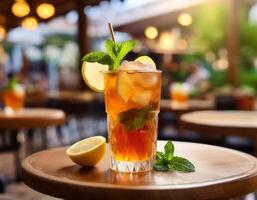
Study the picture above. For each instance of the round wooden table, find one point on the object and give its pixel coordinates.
(221, 173)
(27, 118)
(71, 96)
(193, 105)
(174, 114)
(31, 118)
(227, 123)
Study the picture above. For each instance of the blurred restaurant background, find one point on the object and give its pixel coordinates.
(207, 50)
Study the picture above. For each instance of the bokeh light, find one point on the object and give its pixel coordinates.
(210, 56)
(151, 32)
(167, 41)
(72, 17)
(2, 33)
(185, 19)
(29, 23)
(20, 8)
(45, 10)
(221, 64)
(182, 44)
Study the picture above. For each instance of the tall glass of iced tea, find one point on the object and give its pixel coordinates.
(14, 95)
(132, 99)
(179, 93)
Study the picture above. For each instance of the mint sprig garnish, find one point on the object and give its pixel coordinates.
(98, 56)
(12, 83)
(166, 161)
(115, 53)
(135, 118)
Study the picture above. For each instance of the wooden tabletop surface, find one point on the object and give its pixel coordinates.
(220, 173)
(193, 105)
(31, 118)
(76, 96)
(243, 123)
(246, 119)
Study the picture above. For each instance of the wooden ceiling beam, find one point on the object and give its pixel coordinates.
(5, 5)
(62, 7)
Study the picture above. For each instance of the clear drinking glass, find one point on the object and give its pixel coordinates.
(132, 101)
(179, 93)
(14, 98)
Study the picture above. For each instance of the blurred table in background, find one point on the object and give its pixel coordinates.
(31, 118)
(169, 124)
(222, 123)
(193, 105)
(27, 118)
(35, 99)
(85, 112)
(71, 96)
(74, 102)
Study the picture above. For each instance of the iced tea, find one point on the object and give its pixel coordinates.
(179, 93)
(14, 98)
(132, 101)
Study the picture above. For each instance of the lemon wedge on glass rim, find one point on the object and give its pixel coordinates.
(146, 61)
(93, 75)
(88, 152)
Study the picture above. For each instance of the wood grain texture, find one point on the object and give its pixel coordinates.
(220, 173)
(31, 118)
(241, 123)
(85, 97)
(193, 105)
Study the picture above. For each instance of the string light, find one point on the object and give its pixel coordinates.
(166, 41)
(20, 8)
(29, 23)
(45, 10)
(151, 32)
(185, 19)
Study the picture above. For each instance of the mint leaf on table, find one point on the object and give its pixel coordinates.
(161, 168)
(166, 161)
(169, 150)
(181, 164)
(134, 119)
(160, 159)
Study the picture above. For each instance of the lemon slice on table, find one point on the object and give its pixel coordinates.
(93, 75)
(147, 61)
(88, 152)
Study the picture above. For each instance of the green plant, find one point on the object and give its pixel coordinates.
(209, 28)
(209, 33)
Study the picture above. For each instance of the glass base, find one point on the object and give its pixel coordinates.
(131, 167)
